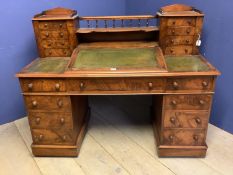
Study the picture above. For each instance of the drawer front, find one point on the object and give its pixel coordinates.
(45, 103)
(179, 40)
(42, 85)
(118, 84)
(52, 25)
(57, 52)
(52, 137)
(184, 137)
(188, 102)
(58, 44)
(181, 21)
(180, 31)
(186, 119)
(198, 83)
(51, 120)
(54, 34)
(179, 50)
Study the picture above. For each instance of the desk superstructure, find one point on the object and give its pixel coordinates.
(119, 55)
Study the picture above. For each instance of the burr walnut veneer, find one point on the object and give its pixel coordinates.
(119, 55)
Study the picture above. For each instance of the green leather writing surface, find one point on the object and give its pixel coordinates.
(116, 58)
(186, 64)
(48, 65)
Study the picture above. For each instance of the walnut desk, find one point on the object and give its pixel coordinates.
(116, 55)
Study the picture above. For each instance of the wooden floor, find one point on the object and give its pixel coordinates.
(119, 141)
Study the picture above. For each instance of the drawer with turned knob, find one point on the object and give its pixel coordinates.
(52, 25)
(54, 35)
(184, 137)
(188, 102)
(185, 119)
(181, 21)
(56, 120)
(117, 84)
(179, 40)
(179, 50)
(52, 137)
(190, 84)
(180, 31)
(47, 102)
(42, 85)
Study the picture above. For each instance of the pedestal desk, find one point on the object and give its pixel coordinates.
(119, 55)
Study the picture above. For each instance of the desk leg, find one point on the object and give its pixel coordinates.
(70, 146)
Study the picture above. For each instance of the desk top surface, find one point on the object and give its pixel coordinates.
(128, 60)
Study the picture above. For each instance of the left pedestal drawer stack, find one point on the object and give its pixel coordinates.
(54, 121)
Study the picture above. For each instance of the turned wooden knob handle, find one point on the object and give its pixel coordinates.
(61, 34)
(150, 85)
(198, 120)
(46, 25)
(187, 41)
(172, 120)
(60, 25)
(189, 22)
(186, 50)
(62, 120)
(172, 41)
(204, 84)
(175, 85)
(34, 103)
(171, 138)
(171, 50)
(188, 31)
(57, 86)
(60, 103)
(64, 138)
(30, 86)
(49, 44)
(195, 137)
(173, 31)
(81, 85)
(202, 102)
(174, 22)
(41, 137)
(37, 120)
(50, 52)
(47, 34)
(174, 102)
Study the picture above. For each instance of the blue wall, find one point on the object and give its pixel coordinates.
(217, 46)
(18, 47)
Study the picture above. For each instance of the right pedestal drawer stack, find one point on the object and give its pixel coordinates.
(181, 121)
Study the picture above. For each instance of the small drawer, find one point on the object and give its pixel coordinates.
(179, 50)
(42, 85)
(48, 103)
(58, 52)
(52, 120)
(186, 119)
(183, 84)
(179, 40)
(117, 84)
(184, 137)
(188, 102)
(52, 137)
(52, 25)
(54, 34)
(58, 44)
(176, 31)
(181, 21)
